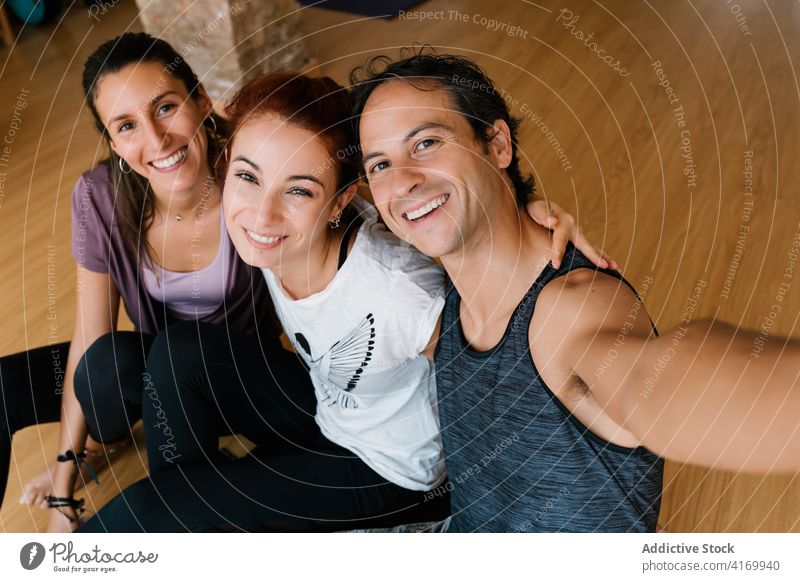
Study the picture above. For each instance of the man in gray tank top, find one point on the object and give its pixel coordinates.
(556, 396)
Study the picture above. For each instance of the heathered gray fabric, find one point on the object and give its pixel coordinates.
(517, 459)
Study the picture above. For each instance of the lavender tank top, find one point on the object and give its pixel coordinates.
(196, 293)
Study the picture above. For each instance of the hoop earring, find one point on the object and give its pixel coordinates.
(122, 168)
(336, 221)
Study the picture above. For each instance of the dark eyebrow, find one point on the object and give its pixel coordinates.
(246, 161)
(410, 135)
(310, 178)
(423, 127)
(148, 106)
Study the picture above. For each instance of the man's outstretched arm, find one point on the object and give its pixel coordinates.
(695, 394)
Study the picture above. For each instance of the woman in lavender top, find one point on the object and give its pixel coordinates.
(148, 230)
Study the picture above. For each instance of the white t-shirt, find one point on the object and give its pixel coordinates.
(362, 337)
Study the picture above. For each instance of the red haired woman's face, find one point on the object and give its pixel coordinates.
(280, 193)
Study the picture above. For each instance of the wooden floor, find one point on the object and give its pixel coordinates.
(658, 177)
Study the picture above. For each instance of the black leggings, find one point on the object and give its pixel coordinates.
(203, 381)
(108, 384)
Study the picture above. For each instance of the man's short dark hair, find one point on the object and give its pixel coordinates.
(470, 89)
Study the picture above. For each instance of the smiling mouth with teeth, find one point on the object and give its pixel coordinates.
(427, 209)
(266, 240)
(166, 163)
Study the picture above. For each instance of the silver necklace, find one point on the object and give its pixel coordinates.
(204, 199)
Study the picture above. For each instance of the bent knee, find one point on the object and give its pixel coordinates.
(179, 348)
(113, 364)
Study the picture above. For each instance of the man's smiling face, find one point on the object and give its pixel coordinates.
(435, 184)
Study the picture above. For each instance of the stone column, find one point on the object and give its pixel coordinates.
(228, 42)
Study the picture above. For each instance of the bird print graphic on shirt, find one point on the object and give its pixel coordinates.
(341, 367)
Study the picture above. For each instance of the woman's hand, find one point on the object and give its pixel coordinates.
(63, 519)
(551, 216)
(66, 522)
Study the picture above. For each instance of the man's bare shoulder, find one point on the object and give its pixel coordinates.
(574, 314)
(583, 301)
(584, 289)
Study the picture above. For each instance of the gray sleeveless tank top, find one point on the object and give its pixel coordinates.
(517, 459)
